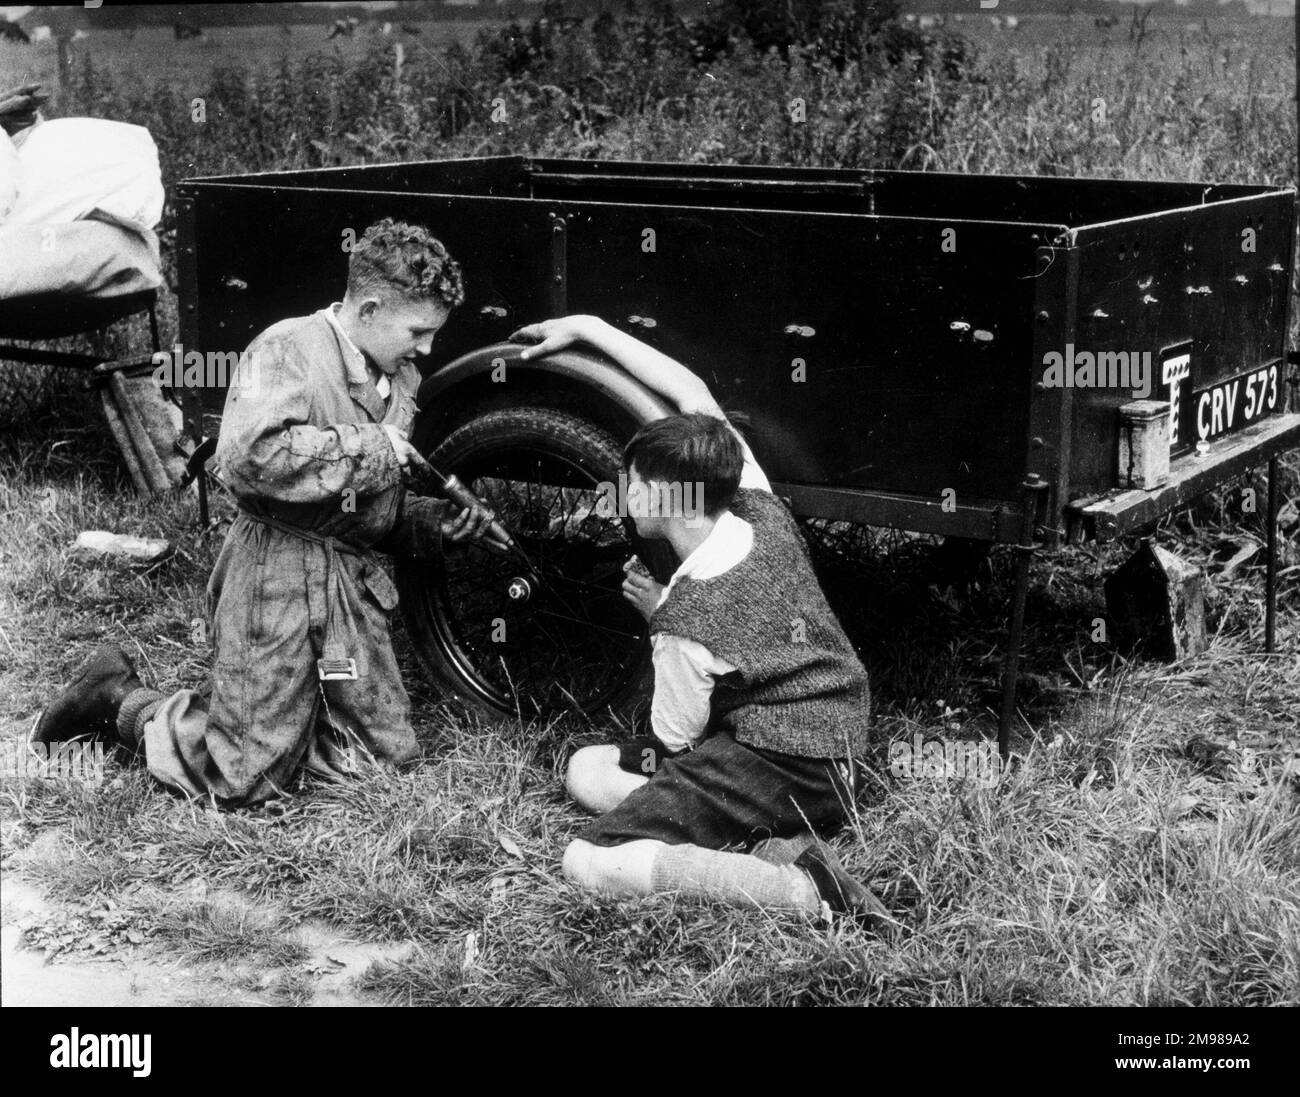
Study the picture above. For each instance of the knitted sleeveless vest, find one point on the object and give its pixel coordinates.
(799, 688)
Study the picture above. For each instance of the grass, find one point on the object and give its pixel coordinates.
(212, 932)
(1146, 848)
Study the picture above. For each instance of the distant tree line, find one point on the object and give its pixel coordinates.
(1194, 9)
(773, 20)
(127, 16)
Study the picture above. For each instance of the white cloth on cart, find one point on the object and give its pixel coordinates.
(81, 259)
(82, 197)
(70, 168)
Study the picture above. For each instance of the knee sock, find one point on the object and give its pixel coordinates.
(136, 711)
(733, 877)
(782, 851)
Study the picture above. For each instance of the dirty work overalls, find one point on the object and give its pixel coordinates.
(303, 449)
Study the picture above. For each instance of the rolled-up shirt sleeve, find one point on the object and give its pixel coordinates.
(269, 448)
(685, 673)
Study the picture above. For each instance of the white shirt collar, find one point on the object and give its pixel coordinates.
(727, 544)
(353, 359)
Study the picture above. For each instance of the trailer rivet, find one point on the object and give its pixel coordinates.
(1037, 443)
(1044, 316)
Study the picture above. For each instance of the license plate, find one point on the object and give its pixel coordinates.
(1235, 403)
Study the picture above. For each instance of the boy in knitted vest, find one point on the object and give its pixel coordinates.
(760, 704)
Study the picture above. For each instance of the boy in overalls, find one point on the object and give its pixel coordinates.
(313, 442)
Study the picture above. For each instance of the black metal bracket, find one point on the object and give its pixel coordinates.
(1270, 575)
(559, 289)
(196, 460)
(1034, 489)
(195, 470)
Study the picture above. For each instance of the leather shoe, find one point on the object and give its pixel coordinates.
(90, 704)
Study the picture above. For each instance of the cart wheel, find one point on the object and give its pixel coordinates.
(564, 640)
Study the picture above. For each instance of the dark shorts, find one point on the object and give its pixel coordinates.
(725, 795)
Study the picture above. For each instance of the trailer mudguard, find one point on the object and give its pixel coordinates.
(595, 372)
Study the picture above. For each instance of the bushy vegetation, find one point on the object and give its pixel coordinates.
(653, 84)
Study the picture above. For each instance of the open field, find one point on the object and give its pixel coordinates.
(1146, 851)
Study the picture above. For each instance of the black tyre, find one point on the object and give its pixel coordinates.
(563, 639)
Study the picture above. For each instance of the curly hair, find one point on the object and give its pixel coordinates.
(397, 257)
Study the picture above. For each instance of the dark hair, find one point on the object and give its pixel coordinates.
(396, 257)
(694, 448)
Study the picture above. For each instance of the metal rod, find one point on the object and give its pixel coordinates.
(853, 188)
(203, 497)
(1270, 576)
(38, 356)
(1011, 664)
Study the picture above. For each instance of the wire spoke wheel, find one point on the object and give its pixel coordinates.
(561, 638)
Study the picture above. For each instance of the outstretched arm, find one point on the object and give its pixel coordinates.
(666, 376)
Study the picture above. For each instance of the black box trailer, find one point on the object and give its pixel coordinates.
(997, 358)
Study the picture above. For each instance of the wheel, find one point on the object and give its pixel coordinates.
(556, 637)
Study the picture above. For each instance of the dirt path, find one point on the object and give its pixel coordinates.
(145, 975)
